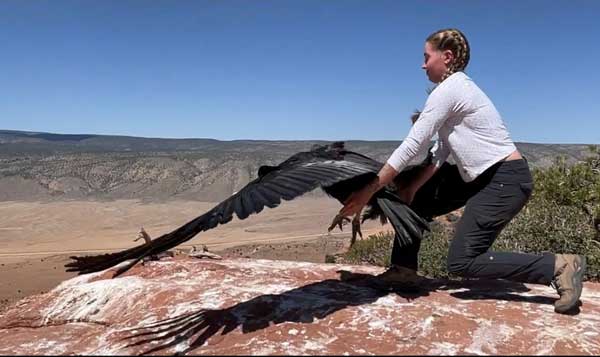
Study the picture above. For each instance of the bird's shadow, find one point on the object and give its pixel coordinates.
(303, 304)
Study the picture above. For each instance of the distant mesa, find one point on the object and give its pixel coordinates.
(48, 166)
(48, 136)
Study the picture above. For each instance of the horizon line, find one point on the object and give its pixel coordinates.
(291, 140)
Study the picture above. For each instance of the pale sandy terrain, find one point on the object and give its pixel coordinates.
(52, 228)
(37, 238)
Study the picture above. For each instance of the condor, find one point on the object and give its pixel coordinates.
(339, 172)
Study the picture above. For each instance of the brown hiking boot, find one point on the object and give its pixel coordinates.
(568, 280)
(398, 277)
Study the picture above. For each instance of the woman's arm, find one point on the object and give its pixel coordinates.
(357, 200)
(440, 105)
(387, 175)
(407, 193)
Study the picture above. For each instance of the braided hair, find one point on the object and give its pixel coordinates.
(455, 41)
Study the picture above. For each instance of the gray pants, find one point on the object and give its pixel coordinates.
(497, 196)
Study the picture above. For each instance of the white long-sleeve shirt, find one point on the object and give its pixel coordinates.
(468, 126)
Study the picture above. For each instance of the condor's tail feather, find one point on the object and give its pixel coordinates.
(408, 225)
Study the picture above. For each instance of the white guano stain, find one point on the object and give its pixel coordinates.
(91, 299)
(488, 336)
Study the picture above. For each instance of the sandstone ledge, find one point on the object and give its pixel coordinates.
(247, 306)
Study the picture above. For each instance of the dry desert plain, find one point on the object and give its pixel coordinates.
(37, 238)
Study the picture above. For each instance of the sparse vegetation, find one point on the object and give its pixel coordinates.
(375, 250)
(562, 216)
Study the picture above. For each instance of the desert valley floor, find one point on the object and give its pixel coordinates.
(36, 239)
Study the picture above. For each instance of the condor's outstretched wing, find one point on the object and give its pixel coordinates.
(323, 166)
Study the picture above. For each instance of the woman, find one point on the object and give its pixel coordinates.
(470, 128)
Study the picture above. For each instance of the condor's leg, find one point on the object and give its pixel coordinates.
(355, 229)
(340, 220)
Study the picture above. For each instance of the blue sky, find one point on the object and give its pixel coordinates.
(289, 70)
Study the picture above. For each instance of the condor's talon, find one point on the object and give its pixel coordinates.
(338, 220)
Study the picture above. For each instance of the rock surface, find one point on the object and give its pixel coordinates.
(249, 306)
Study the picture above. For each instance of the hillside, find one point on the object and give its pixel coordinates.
(46, 166)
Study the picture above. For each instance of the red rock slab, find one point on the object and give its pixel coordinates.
(245, 306)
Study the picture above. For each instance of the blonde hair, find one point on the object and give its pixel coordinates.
(455, 41)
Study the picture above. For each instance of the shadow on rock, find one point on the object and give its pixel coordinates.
(303, 305)
(484, 289)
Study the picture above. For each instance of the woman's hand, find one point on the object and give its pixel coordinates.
(357, 200)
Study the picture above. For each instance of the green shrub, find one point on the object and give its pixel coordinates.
(434, 251)
(374, 250)
(561, 217)
(377, 248)
(545, 226)
(577, 185)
